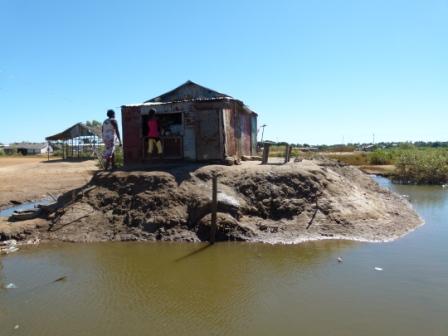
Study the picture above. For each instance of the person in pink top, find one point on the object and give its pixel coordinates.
(154, 133)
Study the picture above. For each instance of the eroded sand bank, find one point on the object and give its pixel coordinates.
(259, 203)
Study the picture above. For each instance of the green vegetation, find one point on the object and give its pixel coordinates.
(119, 156)
(119, 161)
(415, 163)
(279, 151)
(422, 166)
(381, 157)
(93, 123)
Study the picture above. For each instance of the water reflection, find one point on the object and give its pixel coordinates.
(236, 288)
(432, 195)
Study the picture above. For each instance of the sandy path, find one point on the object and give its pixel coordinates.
(29, 178)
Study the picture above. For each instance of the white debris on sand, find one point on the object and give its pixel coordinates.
(378, 268)
(8, 246)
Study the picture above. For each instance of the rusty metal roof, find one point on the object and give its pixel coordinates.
(188, 91)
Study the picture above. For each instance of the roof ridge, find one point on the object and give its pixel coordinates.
(168, 96)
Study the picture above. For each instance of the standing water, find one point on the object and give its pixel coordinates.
(398, 288)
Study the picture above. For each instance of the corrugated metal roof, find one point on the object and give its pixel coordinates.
(74, 131)
(188, 91)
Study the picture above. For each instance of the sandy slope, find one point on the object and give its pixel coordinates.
(29, 178)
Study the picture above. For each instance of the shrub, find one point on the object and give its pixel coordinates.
(381, 157)
(428, 166)
(118, 156)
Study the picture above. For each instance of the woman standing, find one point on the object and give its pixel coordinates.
(110, 131)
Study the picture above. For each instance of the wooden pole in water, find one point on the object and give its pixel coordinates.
(214, 208)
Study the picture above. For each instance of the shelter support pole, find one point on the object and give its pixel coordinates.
(266, 148)
(48, 151)
(213, 225)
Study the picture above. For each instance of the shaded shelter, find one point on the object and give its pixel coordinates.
(77, 141)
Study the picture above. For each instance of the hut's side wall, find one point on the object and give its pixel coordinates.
(132, 137)
(229, 131)
(246, 132)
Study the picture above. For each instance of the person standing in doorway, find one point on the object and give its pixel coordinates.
(154, 133)
(110, 133)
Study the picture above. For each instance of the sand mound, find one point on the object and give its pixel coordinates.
(266, 203)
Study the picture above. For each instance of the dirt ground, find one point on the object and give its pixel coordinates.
(274, 203)
(30, 178)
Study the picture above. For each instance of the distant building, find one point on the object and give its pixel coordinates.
(198, 124)
(27, 148)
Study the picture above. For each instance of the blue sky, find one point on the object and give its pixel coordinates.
(316, 72)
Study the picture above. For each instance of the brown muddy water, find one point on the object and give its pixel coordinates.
(236, 288)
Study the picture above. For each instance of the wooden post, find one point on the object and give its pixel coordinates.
(288, 151)
(213, 225)
(48, 151)
(265, 158)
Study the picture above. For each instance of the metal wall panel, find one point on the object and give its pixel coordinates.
(131, 126)
(190, 143)
(246, 130)
(229, 131)
(208, 146)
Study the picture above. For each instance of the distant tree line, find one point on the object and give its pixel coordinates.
(350, 147)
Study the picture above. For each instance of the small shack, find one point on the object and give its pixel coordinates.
(198, 124)
(76, 142)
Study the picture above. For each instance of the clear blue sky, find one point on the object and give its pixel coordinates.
(316, 71)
